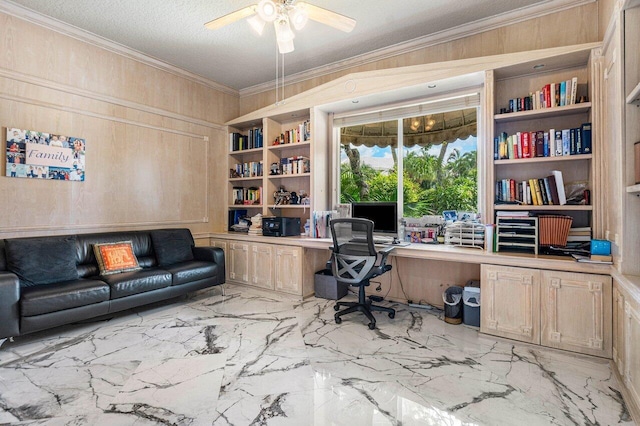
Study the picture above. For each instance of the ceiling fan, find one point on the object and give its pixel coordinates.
(284, 13)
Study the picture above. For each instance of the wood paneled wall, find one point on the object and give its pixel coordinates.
(154, 138)
(573, 26)
(605, 10)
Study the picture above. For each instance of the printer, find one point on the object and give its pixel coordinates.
(280, 226)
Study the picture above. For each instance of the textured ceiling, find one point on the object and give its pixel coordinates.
(173, 31)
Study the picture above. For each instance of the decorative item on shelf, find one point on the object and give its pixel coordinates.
(241, 226)
(275, 169)
(256, 225)
(554, 230)
(281, 196)
(303, 198)
(233, 174)
(425, 229)
(294, 198)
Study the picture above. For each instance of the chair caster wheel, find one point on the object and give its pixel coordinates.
(336, 307)
(392, 315)
(372, 325)
(338, 319)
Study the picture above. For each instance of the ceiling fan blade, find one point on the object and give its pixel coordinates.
(327, 17)
(231, 17)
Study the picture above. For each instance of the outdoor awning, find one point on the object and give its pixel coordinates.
(425, 130)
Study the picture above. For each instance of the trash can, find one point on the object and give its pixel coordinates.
(471, 306)
(452, 298)
(326, 286)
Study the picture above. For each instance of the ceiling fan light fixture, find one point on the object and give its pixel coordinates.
(285, 46)
(267, 10)
(299, 16)
(257, 24)
(283, 30)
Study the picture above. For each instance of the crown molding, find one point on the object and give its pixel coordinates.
(10, 8)
(509, 18)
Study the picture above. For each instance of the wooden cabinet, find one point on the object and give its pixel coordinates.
(632, 350)
(224, 246)
(511, 303)
(239, 262)
(576, 312)
(570, 311)
(261, 271)
(267, 266)
(289, 269)
(618, 350)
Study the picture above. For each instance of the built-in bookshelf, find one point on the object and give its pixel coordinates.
(270, 165)
(551, 132)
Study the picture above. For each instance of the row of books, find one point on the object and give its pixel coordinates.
(542, 143)
(301, 133)
(294, 165)
(549, 96)
(240, 142)
(249, 169)
(247, 196)
(537, 192)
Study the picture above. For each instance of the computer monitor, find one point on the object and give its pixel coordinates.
(383, 214)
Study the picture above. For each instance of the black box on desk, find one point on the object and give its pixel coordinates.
(280, 226)
(326, 286)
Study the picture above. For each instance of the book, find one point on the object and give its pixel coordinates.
(572, 142)
(574, 90)
(563, 93)
(552, 143)
(587, 259)
(538, 192)
(585, 130)
(547, 190)
(553, 189)
(602, 257)
(545, 144)
(562, 198)
(558, 143)
(539, 137)
(566, 142)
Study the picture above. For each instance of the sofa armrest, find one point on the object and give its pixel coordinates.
(9, 305)
(211, 254)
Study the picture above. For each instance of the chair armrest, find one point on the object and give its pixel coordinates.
(384, 253)
(9, 305)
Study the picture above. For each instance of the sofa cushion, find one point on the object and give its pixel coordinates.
(172, 245)
(114, 258)
(128, 283)
(194, 270)
(42, 260)
(46, 298)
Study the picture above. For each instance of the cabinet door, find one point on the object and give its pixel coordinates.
(511, 303)
(618, 330)
(261, 266)
(576, 312)
(632, 354)
(289, 270)
(239, 262)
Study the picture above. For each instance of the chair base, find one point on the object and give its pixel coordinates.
(363, 306)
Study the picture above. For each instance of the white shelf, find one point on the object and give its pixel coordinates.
(634, 96)
(243, 206)
(288, 146)
(567, 207)
(246, 151)
(289, 176)
(576, 157)
(633, 189)
(245, 179)
(290, 206)
(544, 112)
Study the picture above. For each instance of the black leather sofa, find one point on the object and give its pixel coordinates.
(50, 281)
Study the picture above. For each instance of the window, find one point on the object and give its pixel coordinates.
(427, 162)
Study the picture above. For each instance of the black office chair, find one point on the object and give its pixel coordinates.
(354, 262)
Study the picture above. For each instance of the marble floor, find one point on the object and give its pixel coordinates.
(249, 358)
